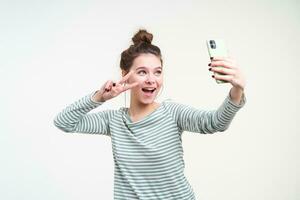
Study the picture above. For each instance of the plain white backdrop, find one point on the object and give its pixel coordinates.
(55, 52)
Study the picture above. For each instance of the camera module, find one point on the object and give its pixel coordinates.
(212, 44)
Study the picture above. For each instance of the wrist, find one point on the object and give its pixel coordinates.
(237, 89)
(236, 94)
(96, 97)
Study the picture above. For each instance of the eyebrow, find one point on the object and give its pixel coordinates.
(145, 67)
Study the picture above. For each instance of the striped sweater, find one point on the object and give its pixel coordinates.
(147, 154)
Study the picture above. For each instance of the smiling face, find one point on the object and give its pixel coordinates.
(148, 73)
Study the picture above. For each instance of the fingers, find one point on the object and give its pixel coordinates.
(226, 69)
(112, 89)
(130, 86)
(230, 79)
(126, 77)
(227, 62)
(108, 86)
(221, 63)
(111, 86)
(225, 58)
(235, 77)
(227, 78)
(223, 70)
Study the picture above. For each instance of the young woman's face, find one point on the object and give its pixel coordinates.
(148, 73)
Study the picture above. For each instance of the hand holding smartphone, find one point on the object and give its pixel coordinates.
(217, 47)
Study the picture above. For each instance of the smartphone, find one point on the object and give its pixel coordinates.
(217, 47)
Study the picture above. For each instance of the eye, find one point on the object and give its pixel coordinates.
(158, 72)
(141, 71)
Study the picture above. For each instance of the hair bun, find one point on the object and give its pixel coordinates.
(142, 36)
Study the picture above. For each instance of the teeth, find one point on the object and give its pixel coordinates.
(148, 89)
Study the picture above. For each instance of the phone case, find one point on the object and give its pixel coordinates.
(217, 47)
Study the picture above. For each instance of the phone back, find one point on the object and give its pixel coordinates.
(217, 47)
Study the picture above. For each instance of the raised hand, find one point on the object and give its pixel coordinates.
(112, 89)
(229, 70)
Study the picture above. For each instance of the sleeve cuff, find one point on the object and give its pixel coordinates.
(95, 103)
(235, 105)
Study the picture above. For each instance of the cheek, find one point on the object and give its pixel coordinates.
(139, 80)
(160, 81)
(134, 79)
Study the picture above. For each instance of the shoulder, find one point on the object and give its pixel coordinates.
(109, 114)
(171, 104)
(173, 107)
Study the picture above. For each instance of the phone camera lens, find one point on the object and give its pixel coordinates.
(212, 44)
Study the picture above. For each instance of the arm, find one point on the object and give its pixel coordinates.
(202, 121)
(75, 117)
(236, 94)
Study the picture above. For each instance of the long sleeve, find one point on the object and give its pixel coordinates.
(75, 117)
(206, 121)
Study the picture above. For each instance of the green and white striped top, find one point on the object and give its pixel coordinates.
(148, 154)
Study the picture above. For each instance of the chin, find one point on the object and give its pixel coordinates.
(147, 101)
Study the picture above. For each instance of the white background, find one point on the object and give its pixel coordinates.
(55, 52)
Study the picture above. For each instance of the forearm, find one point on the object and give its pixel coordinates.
(70, 117)
(206, 121)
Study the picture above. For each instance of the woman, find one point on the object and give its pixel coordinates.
(146, 137)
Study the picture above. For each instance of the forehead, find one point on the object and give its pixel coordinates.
(148, 60)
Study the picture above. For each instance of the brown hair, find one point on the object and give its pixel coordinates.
(141, 44)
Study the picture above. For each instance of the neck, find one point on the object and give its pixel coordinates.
(137, 108)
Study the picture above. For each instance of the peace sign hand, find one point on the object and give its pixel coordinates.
(111, 89)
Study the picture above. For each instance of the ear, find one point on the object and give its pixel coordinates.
(123, 74)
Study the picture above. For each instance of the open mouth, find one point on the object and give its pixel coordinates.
(148, 91)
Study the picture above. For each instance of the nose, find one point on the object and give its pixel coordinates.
(150, 78)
